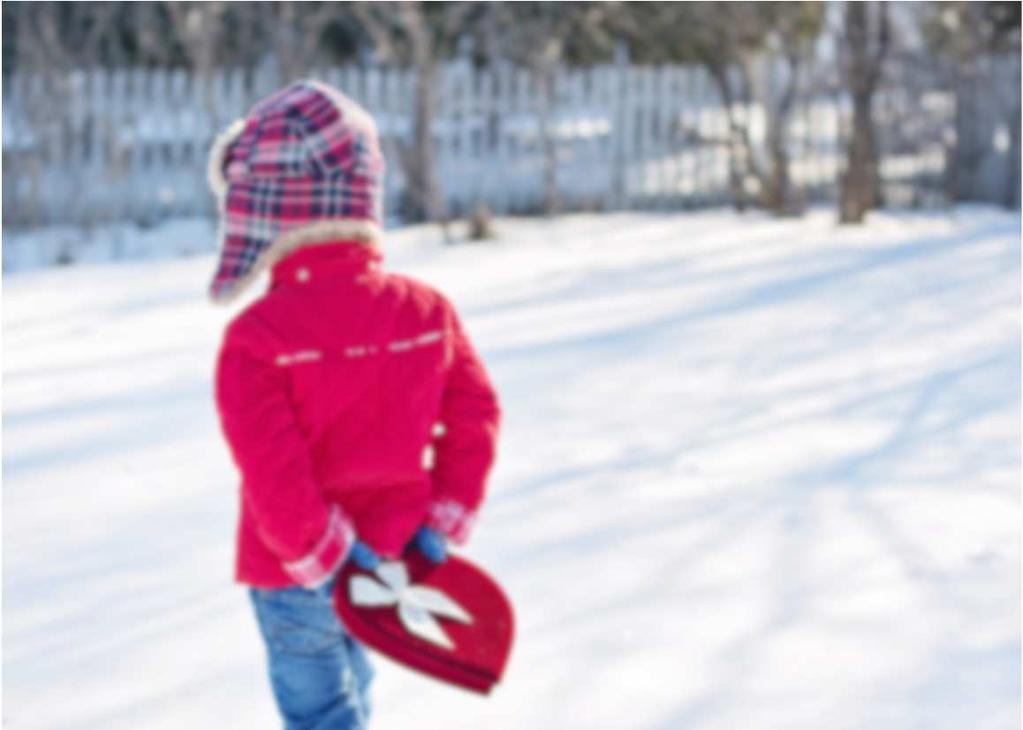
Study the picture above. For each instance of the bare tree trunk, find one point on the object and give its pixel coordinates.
(968, 148)
(772, 175)
(860, 190)
(45, 63)
(198, 26)
(738, 138)
(778, 194)
(295, 27)
(401, 31)
(424, 199)
(858, 193)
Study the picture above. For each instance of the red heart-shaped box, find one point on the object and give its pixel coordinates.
(477, 650)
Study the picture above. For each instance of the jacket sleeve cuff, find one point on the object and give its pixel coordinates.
(315, 568)
(451, 518)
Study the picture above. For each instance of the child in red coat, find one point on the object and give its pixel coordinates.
(360, 416)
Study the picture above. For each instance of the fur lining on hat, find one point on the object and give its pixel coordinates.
(321, 232)
(218, 152)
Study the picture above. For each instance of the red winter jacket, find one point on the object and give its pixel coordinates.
(354, 405)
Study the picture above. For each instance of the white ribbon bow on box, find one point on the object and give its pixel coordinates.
(416, 603)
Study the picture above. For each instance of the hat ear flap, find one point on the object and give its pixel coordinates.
(218, 155)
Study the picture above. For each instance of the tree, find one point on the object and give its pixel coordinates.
(419, 35)
(52, 41)
(744, 46)
(539, 36)
(865, 44)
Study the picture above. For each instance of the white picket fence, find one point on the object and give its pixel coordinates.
(113, 145)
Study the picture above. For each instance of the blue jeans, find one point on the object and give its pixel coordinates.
(320, 675)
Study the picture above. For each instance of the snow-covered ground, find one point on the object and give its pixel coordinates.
(754, 474)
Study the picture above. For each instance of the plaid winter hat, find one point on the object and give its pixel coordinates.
(303, 167)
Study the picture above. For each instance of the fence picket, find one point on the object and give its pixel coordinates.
(500, 116)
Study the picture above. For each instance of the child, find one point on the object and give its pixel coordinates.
(359, 415)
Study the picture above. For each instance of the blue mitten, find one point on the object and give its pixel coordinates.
(364, 556)
(431, 544)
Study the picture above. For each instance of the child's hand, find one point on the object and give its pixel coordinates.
(364, 556)
(431, 544)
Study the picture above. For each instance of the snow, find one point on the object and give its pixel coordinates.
(61, 245)
(754, 473)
